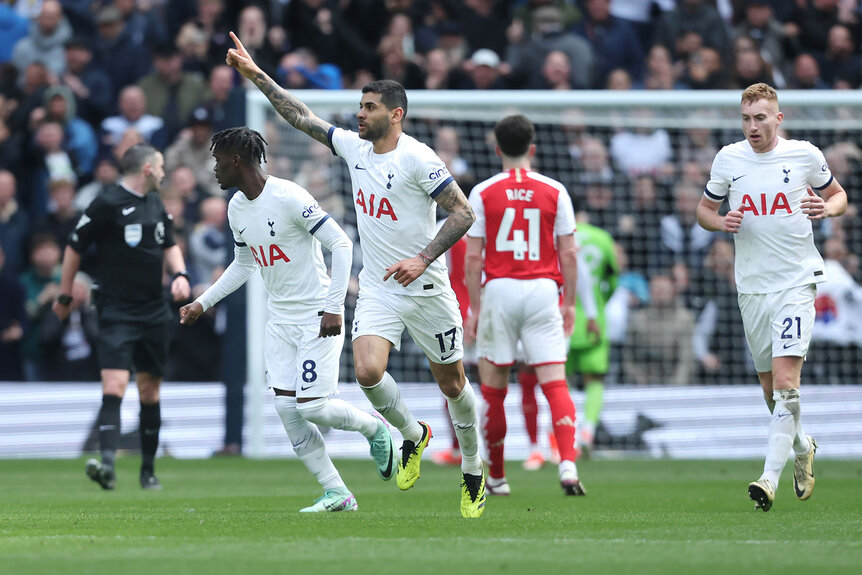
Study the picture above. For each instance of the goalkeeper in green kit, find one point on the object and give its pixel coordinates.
(589, 346)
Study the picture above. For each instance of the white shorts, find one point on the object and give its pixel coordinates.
(297, 360)
(521, 310)
(434, 322)
(778, 324)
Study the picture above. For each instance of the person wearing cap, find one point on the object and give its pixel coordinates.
(172, 93)
(483, 71)
(192, 149)
(90, 84)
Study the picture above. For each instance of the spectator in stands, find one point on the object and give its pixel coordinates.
(132, 106)
(810, 22)
(184, 183)
(840, 65)
(45, 41)
(604, 203)
(750, 68)
(13, 27)
(226, 102)
(452, 43)
(698, 145)
(641, 16)
(89, 83)
(447, 144)
(483, 71)
(525, 15)
(660, 73)
(299, 70)
(768, 36)
(115, 51)
(614, 43)
(69, 346)
(192, 149)
(595, 166)
(436, 70)
(719, 337)
(79, 138)
(548, 33)
(658, 348)
(806, 74)
(639, 228)
(313, 24)
(394, 64)
(641, 151)
(705, 70)
(13, 321)
(177, 209)
(62, 214)
(172, 94)
(682, 239)
(106, 173)
(193, 45)
(695, 16)
(556, 71)
(207, 247)
(619, 79)
(142, 24)
(41, 284)
(252, 28)
(49, 161)
(484, 22)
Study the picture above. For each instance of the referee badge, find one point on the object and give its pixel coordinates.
(133, 234)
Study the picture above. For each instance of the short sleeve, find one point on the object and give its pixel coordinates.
(477, 230)
(430, 172)
(819, 174)
(564, 224)
(719, 182)
(342, 142)
(92, 224)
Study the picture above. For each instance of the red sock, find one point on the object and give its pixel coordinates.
(563, 417)
(528, 382)
(495, 429)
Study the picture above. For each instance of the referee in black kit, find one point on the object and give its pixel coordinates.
(133, 236)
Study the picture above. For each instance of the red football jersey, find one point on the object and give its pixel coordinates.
(522, 213)
(455, 263)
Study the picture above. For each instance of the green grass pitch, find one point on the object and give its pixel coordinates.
(237, 516)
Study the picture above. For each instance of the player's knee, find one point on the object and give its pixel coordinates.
(368, 375)
(315, 410)
(285, 405)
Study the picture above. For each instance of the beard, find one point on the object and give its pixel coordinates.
(374, 132)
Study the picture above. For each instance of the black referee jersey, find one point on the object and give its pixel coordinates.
(130, 233)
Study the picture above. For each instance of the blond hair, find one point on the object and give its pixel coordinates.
(759, 91)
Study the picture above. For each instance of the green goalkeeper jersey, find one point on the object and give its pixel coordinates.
(597, 249)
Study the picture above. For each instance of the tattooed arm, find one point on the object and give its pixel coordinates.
(461, 217)
(291, 108)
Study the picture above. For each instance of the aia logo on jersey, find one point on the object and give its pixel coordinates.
(778, 204)
(274, 254)
(383, 207)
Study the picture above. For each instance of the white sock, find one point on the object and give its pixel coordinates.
(338, 414)
(567, 466)
(465, 420)
(782, 430)
(307, 443)
(386, 399)
(801, 444)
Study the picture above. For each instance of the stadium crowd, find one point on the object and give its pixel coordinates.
(80, 82)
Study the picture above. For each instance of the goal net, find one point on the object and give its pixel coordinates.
(636, 164)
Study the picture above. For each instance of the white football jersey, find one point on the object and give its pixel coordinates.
(775, 244)
(278, 227)
(393, 194)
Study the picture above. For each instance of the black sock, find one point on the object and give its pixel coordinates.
(109, 427)
(151, 421)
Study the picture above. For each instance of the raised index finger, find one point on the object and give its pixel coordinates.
(238, 44)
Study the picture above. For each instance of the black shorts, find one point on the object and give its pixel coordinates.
(128, 345)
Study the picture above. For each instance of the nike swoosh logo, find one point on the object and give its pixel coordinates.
(445, 357)
(243, 230)
(388, 471)
(787, 345)
(358, 167)
(129, 210)
(799, 492)
(306, 388)
(737, 177)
